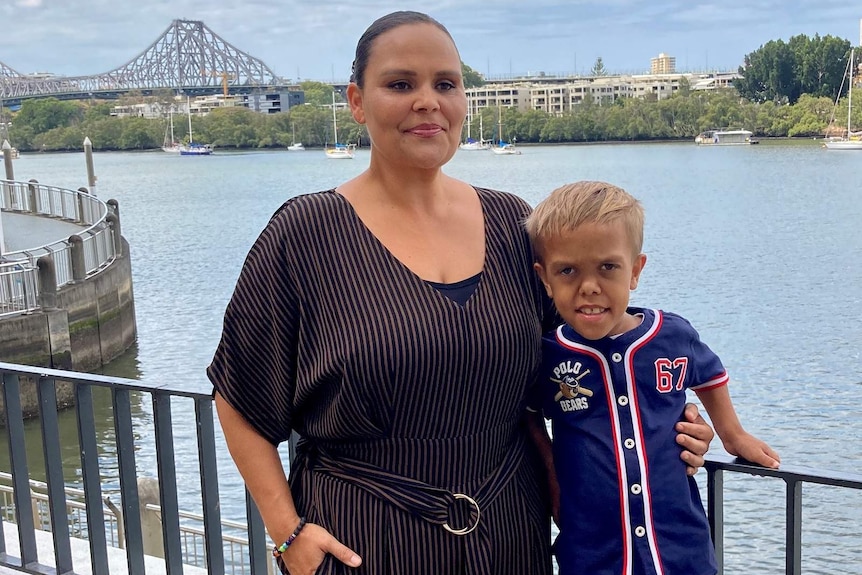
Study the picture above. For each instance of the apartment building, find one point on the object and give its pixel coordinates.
(554, 95)
(662, 64)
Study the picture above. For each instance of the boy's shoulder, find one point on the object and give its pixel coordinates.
(674, 322)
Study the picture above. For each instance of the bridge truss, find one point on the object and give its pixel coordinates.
(187, 57)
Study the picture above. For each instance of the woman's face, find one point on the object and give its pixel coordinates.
(412, 102)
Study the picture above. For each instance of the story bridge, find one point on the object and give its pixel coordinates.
(188, 57)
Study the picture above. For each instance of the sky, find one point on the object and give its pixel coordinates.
(315, 40)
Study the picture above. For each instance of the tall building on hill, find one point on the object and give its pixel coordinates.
(662, 64)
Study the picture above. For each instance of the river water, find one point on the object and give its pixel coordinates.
(758, 246)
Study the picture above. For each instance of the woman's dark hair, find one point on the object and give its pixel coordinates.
(381, 26)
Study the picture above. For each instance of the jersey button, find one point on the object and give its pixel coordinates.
(623, 400)
(636, 489)
(640, 531)
(617, 357)
(629, 443)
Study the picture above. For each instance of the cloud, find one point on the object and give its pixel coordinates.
(29, 3)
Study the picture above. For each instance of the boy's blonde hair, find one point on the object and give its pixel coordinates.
(576, 204)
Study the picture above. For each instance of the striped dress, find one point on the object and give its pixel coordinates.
(409, 404)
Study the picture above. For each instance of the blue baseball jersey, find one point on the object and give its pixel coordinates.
(626, 504)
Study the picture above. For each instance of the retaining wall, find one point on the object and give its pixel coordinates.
(93, 323)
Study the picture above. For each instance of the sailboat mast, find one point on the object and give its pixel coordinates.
(334, 125)
(189, 110)
(850, 94)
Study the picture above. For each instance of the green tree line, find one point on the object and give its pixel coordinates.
(786, 90)
(51, 125)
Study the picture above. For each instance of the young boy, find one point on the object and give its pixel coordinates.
(613, 383)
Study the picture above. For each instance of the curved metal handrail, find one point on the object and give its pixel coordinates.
(72, 206)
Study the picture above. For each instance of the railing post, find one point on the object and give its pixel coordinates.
(79, 268)
(715, 513)
(80, 204)
(114, 223)
(114, 206)
(793, 529)
(33, 194)
(47, 283)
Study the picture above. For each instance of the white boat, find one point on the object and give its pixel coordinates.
(502, 147)
(505, 149)
(851, 140)
(170, 145)
(471, 144)
(724, 137)
(338, 151)
(294, 145)
(193, 148)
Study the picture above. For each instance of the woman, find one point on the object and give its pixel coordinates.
(393, 322)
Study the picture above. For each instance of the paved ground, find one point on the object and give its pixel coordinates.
(117, 564)
(22, 231)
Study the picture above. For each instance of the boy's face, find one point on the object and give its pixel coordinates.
(589, 272)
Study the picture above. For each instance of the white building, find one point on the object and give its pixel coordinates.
(555, 95)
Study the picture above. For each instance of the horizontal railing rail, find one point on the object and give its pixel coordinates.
(201, 539)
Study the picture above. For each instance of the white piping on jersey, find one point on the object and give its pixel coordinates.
(716, 381)
(607, 378)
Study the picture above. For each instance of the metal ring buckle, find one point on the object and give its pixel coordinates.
(469, 528)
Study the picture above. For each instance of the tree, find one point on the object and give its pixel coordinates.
(47, 114)
(317, 93)
(472, 78)
(781, 72)
(598, 68)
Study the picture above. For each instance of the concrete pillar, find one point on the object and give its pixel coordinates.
(47, 283)
(79, 267)
(7, 160)
(114, 222)
(114, 207)
(10, 175)
(33, 195)
(91, 174)
(151, 522)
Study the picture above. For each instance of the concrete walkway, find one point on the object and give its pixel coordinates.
(117, 564)
(21, 231)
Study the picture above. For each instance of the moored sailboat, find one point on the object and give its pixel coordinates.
(193, 148)
(338, 151)
(503, 148)
(851, 140)
(170, 145)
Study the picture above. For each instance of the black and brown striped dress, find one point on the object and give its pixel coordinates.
(402, 396)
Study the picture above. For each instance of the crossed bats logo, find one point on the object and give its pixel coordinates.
(570, 386)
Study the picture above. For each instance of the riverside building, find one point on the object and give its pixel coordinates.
(560, 94)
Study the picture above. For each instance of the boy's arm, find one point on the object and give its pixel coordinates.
(735, 439)
(542, 441)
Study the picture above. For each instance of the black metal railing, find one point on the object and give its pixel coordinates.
(794, 477)
(16, 378)
(125, 396)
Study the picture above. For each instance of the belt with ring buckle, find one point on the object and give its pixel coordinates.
(469, 528)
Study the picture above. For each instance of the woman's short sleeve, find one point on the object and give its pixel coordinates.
(254, 366)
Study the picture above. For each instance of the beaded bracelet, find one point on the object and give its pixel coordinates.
(278, 550)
